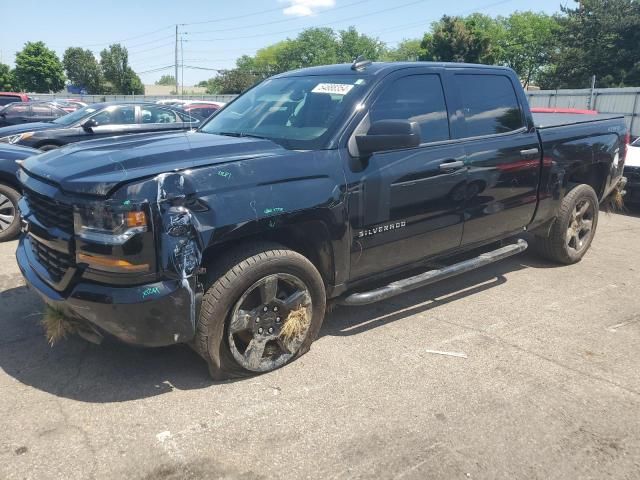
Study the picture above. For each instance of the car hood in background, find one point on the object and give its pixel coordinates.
(96, 167)
(27, 127)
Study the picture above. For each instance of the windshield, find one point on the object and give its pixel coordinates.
(79, 114)
(636, 143)
(296, 112)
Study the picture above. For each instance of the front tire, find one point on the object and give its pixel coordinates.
(9, 216)
(573, 229)
(263, 309)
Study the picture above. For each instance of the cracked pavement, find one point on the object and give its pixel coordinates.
(550, 387)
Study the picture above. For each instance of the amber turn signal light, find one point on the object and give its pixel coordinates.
(111, 264)
(136, 219)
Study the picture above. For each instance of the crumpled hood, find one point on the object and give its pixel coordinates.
(27, 127)
(96, 167)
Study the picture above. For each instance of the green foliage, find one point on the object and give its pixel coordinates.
(38, 69)
(83, 69)
(407, 50)
(352, 44)
(312, 47)
(167, 80)
(457, 39)
(599, 38)
(121, 79)
(7, 79)
(526, 42)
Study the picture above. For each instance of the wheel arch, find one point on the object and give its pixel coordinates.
(309, 238)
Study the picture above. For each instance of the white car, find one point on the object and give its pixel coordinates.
(632, 172)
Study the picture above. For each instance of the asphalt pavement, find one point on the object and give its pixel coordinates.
(544, 384)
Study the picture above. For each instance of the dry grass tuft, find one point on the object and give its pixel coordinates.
(614, 202)
(296, 324)
(56, 325)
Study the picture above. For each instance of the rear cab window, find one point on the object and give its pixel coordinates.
(489, 104)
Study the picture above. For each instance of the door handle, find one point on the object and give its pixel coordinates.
(453, 165)
(530, 153)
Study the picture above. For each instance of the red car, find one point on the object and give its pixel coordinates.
(11, 97)
(201, 110)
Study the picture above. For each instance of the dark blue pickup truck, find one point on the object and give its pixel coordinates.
(318, 184)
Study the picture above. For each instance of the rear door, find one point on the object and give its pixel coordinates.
(502, 154)
(406, 205)
(43, 113)
(155, 118)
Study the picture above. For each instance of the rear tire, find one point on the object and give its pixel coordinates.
(250, 298)
(572, 231)
(9, 214)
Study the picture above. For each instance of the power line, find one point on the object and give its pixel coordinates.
(377, 12)
(199, 32)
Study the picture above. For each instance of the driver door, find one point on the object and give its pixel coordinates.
(407, 204)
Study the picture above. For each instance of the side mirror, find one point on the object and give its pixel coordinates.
(389, 135)
(89, 124)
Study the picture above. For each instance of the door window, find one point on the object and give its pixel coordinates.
(417, 98)
(151, 114)
(17, 110)
(489, 103)
(42, 110)
(124, 115)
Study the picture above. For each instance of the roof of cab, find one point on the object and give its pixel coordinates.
(377, 68)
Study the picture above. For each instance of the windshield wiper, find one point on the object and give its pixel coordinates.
(240, 135)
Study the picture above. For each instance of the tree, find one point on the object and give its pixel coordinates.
(82, 69)
(167, 80)
(38, 69)
(351, 44)
(407, 50)
(313, 46)
(116, 70)
(596, 38)
(455, 39)
(527, 43)
(7, 79)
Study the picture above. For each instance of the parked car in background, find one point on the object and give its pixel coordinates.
(10, 97)
(99, 120)
(171, 101)
(28, 112)
(632, 172)
(10, 190)
(201, 110)
(578, 111)
(68, 105)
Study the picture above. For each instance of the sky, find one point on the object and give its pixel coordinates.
(214, 33)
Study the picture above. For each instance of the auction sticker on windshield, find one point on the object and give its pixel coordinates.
(333, 88)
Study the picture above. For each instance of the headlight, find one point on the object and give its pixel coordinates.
(16, 138)
(109, 224)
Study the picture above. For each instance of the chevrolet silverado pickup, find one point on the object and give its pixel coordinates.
(327, 184)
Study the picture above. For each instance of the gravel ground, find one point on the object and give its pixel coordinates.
(550, 387)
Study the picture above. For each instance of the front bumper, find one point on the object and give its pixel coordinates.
(150, 315)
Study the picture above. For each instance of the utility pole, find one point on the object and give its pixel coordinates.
(176, 60)
(182, 64)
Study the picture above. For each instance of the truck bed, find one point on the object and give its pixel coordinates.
(550, 120)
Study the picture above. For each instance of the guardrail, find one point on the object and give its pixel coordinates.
(620, 101)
